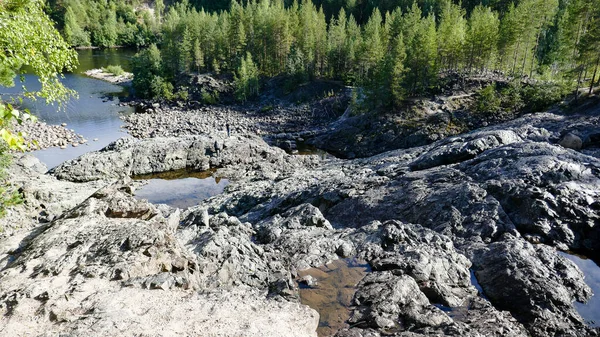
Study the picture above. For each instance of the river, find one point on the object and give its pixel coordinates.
(94, 114)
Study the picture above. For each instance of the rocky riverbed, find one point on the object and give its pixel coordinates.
(499, 203)
(40, 135)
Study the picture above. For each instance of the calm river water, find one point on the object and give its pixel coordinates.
(94, 114)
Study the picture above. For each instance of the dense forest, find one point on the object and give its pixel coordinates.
(396, 50)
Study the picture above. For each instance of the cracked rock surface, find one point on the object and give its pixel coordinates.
(496, 204)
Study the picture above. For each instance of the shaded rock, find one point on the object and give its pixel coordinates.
(536, 284)
(571, 141)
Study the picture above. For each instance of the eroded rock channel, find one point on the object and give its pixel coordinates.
(498, 205)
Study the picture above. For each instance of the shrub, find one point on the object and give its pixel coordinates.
(512, 98)
(115, 70)
(542, 95)
(210, 98)
(161, 88)
(488, 100)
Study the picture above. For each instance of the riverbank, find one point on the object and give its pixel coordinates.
(39, 135)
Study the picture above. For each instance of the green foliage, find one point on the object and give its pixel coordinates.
(543, 95)
(358, 46)
(147, 64)
(159, 88)
(73, 33)
(210, 98)
(246, 81)
(198, 55)
(295, 70)
(451, 35)
(28, 38)
(105, 23)
(517, 97)
(114, 69)
(482, 38)
(488, 101)
(512, 97)
(421, 51)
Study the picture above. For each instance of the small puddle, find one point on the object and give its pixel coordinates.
(332, 296)
(181, 188)
(590, 311)
(456, 313)
(307, 150)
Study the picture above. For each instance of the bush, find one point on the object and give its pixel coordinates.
(488, 101)
(512, 98)
(210, 98)
(115, 70)
(182, 94)
(159, 88)
(541, 96)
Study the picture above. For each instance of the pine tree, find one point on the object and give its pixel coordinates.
(246, 81)
(385, 87)
(159, 7)
(198, 56)
(336, 46)
(520, 32)
(421, 50)
(451, 35)
(74, 34)
(236, 34)
(482, 38)
(372, 48)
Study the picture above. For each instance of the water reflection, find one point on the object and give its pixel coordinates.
(590, 311)
(308, 150)
(181, 188)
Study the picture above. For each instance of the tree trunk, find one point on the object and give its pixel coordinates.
(537, 43)
(577, 85)
(594, 75)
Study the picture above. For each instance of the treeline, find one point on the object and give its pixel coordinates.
(85, 23)
(391, 55)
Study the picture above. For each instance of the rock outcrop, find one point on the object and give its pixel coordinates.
(494, 206)
(114, 265)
